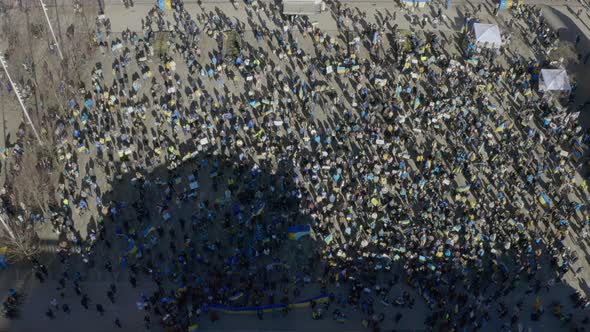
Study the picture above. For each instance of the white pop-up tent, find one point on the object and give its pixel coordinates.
(487, 33)
(302, 7)
(554, 80)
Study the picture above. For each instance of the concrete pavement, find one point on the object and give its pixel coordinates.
(39, 302)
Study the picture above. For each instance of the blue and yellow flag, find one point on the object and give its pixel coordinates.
(122, 262)
(501, 127)
(464, 188)
(416, 103)
(258, 210)
(148, 230)
(299, 231)
(132, 249)
(328, 239)
(193, 328)
(543, 199)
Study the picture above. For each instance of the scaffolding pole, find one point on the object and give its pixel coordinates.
(51, 29)
(20, 100)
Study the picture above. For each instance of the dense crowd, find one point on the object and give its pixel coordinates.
(399, 159)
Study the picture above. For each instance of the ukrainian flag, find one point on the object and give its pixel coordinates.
(122, 262)
(299, 231)
(132, 248)
(543, 199)
(259, 209)
(328, 239)
(148, 230)
(501, 127)
(193, 328)
(416, 103)
(464, 188)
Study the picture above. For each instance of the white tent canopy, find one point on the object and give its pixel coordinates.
(554, 80)
(487, 33)
(301, 7)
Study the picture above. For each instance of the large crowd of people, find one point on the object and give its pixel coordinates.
(396, 158)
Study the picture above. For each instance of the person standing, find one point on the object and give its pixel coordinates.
(100, 309)
(84, 301)
(49, 314)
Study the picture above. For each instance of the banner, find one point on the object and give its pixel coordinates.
(268, 308)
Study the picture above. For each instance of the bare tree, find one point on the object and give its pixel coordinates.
(30, 191)
(22, 240)
(32, 185)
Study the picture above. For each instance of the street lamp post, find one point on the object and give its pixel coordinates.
(20, 100)
(51, 29)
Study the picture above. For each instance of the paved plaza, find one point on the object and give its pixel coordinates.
(218, 165)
